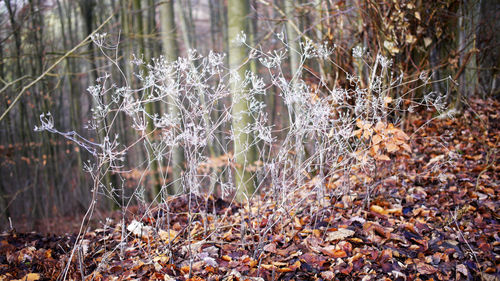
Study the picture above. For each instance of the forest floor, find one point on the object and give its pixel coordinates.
(436, 218)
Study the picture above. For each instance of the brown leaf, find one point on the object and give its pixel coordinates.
(376, 139)
(462, 269)
(401, 135)
(313, 259)
(372, 228)
(332, 252)
(383, 157)
(424, 268)
(391, 147)
(295, 265)
(346, 246)
(380, 126)
(379, 210)
(327, 275)
(271, 247)
(29, 277)
(168, 236)
(340, 234)
(268, 266)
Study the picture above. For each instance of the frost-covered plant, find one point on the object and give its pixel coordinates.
(332, 131)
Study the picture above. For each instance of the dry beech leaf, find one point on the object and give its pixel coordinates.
(391, 47)
(427, 41)
(462, 269)
(280, 263)
(380, 126)
(328, 275)
(228, 235)
(376, 139)
(424, 268)
(406, 147)
(401, 135)
(331, 251)
(285, 269)
(185, 269)
(383, 157)
(268, 266)
(379, 210)
(435, 159)
(168, 236)
(387, 100)
(417, 15)
(29, 277)
(367, 134)
(296, 265)
(271, 247)
(395, 211)
(253, 263)
(340, 234)
(391, 147)
(139, 229)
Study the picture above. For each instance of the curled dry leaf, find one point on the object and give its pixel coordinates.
(424, 268)
(340, 234)
(462, 269)
(333, 252)
(139, 229)
(379, 210)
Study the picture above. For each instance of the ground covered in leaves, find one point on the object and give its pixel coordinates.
(432, 216)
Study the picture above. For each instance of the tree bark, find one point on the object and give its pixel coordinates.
(244, 149)
(171, 52)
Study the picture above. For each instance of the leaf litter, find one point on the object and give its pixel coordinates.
(432, 216)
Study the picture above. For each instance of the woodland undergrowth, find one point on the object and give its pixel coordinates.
(333, 140)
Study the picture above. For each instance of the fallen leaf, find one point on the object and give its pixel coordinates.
(29, 277)
(332, 252)
(383, 157)
(340, 234)
(271, 247)
(462, 269)
(327, 275)
(379, 210)
(139, 229)
(226, 258)
(424, 268)
(268, 266)
(168, 236)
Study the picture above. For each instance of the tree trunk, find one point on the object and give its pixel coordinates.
(244, 150)
(488, 39)
(154, 168)
(171, 52)
(468, 23)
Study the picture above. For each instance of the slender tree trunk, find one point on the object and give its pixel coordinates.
(74, 97)
(171, 52)
(468, 23)
(244, 150)
(87, 10)
(109, 181)
(489, 42)
(185, 26)
(16, 28)
(154, 168)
